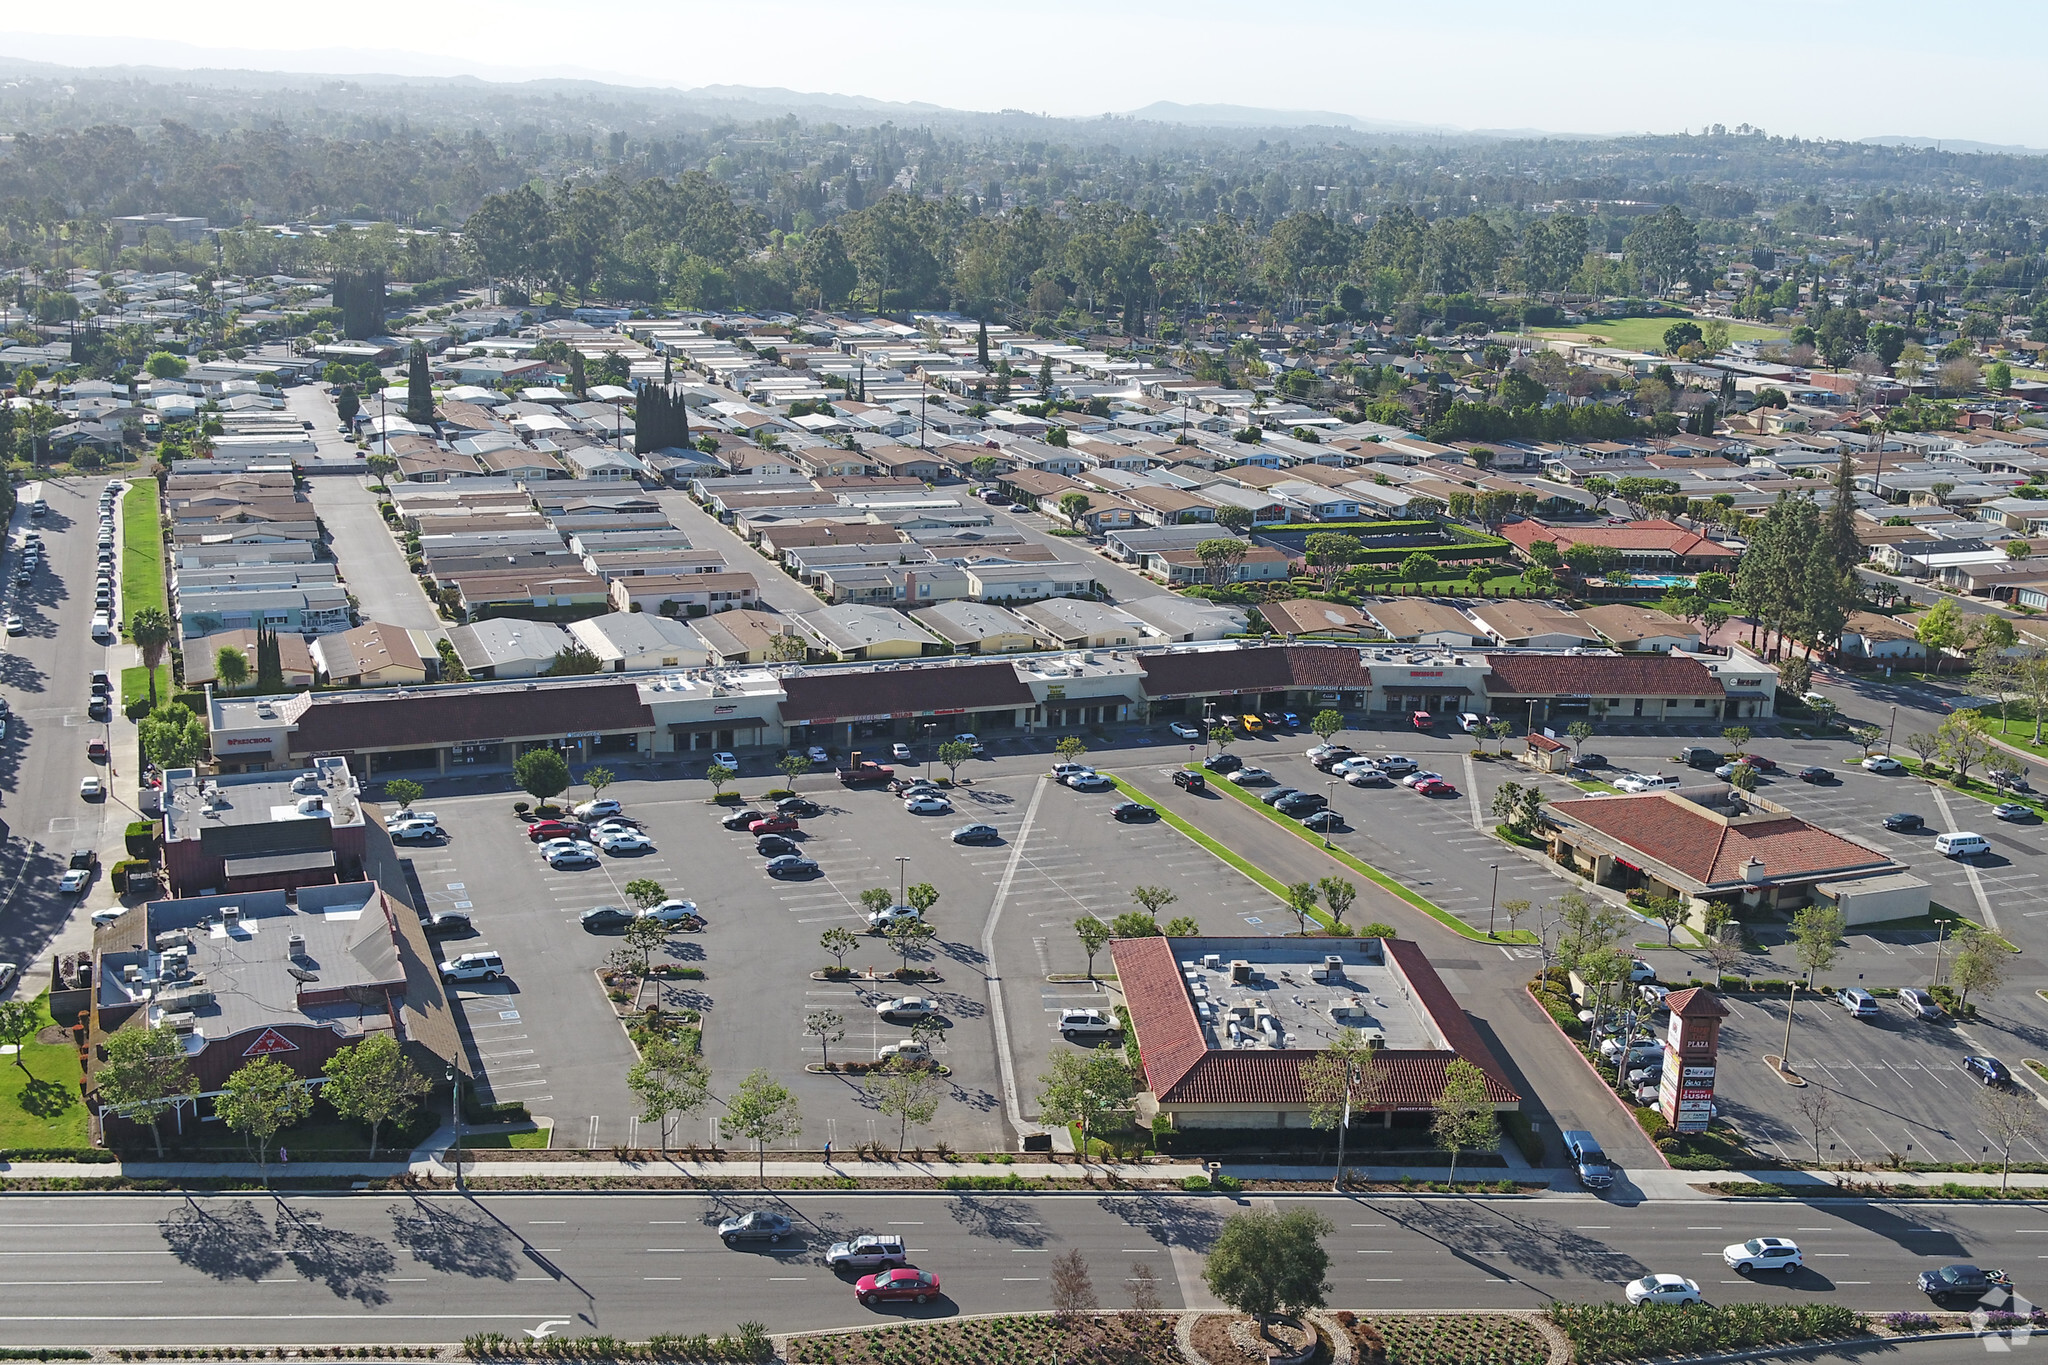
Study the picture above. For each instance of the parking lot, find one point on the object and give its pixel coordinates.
(1896, 1084)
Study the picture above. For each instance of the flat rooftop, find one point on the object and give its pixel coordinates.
(322, 791)
(240, 962)
(1251, 993)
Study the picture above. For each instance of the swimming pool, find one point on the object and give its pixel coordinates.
(1662, 580)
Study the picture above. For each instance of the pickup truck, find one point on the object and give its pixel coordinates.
(861, 773)
(1962, 1282)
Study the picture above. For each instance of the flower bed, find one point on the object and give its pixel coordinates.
(1611, 1331)
(1447, 1339)
(1125, 1338)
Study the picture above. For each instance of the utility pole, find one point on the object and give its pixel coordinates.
(1493, 901)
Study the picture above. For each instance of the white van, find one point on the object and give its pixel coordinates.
(1961, 844)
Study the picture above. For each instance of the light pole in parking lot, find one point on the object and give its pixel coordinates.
(1493, 900)
(1329, 796)
(455, 1118)
(1892, 730)
(902, 878)
(930, 726)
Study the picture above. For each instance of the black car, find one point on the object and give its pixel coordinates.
(740, 819)
(773, 846)
(450, 922)
(603, 919)
(1962, 1282)
(1324, 820)
(1816, 774)
(101, 709)
(1905, 822)
(1188, 781)
(1128, 811)
(1592, 760)
(1223, 763)
(1279, 794)
(798, 807)
(1989, 1070)
(1300, 804)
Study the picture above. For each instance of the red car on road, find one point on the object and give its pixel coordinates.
(542, 830)
(774, 824)
(891, 1286)
(1435, 786)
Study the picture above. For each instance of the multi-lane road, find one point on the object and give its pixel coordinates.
(137, 1269)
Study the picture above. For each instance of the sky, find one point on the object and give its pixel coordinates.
(1815, 68)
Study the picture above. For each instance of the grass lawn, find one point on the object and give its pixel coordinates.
(322, 1137)
(142, 549)
(135, 683)
(40, 1106)
(1647, 334)
(525, 1140)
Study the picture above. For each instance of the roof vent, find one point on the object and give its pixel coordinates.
(230, 916)
(295, 946)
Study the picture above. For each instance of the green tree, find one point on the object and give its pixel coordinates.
(1221, 556)
(1330, 553)
(574, 660)
(1301, 901)
(1344, 1076)
(1579, 731)
(1964, 744)
(597, 779)
(718, 775)
(1680, 335)
(952, 754)
(1338, 893)
(1866, 737)
(145, 1073)
(669, 1078)
(19, 1021)
(838, 941)
(1671, 910)
(1134, 924)
(231, 666)
(1070, 748)
(1232, 518)
(1464, 1113)
(1737, 736)
(149, 630)
(1942, 628)
(541, 773)
(643, 935)
(1817, 939)
(372, 1082)
(1086, 1088)
(906, 1093)
(1153, 899)
(906, 934)
(172, 736)
(1420, 567)
(828, 1027)
(403, 791)
(645, 893)
(793, 766)
(1073, 506)
(1327, 724)
(921, 897)
(761, 1111)
(1978, 965)
(419, 389)
(1183, 926)
(1266, 1263)
(1095, 936)
(164, 365)
(259, 1100)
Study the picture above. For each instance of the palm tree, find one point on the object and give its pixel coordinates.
(150, 630)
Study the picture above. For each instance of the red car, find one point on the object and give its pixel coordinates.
(896, 1285)
(1435, 786)
(1422, 720)
(774, 824)
(96, 749)
(542, 830)
(1760, 763)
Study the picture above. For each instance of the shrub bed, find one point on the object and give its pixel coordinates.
(750, 1342)
(1445, 1339)
(1612, 1331)
(1137, 1338)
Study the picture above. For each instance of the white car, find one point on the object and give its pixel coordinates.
(816, 753)
(1882, 763)
(1182, 730)
(552, 846)
(1636, 783)
(1089, 782)
(102, 918)
(102, 625)
(1764, 1253)
(1366, 777)
(91, 789)
(8, 972)
(882, 919)
(1087, 1023)
(672, 911)
(928, 805)
(1245, 777)
(16, 626)
(415, 832)
(484, 966)
(624, 841)
(723, 759)
(597, 810)
(75, 880)
(1419, 776)
(1662, 1289)
(901, 753)
(579, 855)
(907, 1050)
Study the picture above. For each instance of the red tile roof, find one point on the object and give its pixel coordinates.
(1181, 1068)
(1637, 536)
(1696, 1002)
(1594, 675)
(1666, 828)
(1260, 669)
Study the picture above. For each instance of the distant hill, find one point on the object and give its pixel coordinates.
(1245, 116)
(1953, 144)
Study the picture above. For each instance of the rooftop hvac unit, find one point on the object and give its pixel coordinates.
(132, 974)
(230, 916)
(1213, 961)
(182, 1022)
(295, 946)
(177, 961)
(1240, 971)
(174, 938)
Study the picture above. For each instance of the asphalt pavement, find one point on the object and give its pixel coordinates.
(151, 1269)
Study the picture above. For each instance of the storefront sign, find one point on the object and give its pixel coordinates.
(1697, 1075)
(1426, 673)
(266, 741)
(725, 710)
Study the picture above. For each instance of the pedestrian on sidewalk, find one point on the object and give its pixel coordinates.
(828, 1151)
(284, 1156)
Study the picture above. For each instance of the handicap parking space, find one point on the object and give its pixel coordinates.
(1892, 1086)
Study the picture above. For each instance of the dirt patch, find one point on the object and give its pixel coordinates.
(1232, 1339)
(56, 1035)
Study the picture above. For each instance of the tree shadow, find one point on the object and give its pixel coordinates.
(686, 951)
(46, 1099)
(1170, 1222)
(452, 1240)
(997, 1219)
(351, 1264)
(230, 1242)
(964, 952)
(1501, 1241)
(984, 796)
(980, 1100)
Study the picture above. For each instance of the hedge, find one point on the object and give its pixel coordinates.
(1611, 1331)
(140, 838)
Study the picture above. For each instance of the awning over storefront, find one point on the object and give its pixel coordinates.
(322, 860)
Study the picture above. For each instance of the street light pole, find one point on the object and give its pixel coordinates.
(1892, 731)
(455, 1118)
(1493, 901)
(929, 727)
(902, 878)
(1330, 796)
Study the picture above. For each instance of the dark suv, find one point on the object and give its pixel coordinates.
(1301, 803)
(1188, 781)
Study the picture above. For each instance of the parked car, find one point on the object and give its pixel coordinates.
(928, 805)
(1920, 1004)
(1087, 1023)
(1662, 1289)
(672, 911)
(879, 920)
(580, 855)
(16, 626)
(798, 807)
(1189, 781)
(1905, 822)
(1279, 794)
(1421, 775)
(1435, 786)
(1090, 782)
(1331, 751)
(907, 1050)
(2012, 812)
(976, 834)
(624, 841)
(1062, 771)
(905, 1283)
(760, 1225)
(1131, 812)
(1301, 803)
(773, 846)
(1882, 763)
(1860, 1004)
(1324, 821)
(1594, 1170)
(907, 1007)
(725, 759)
(603, 919)
(791, 865)
(902, 753)
(742, 819)
(1249, 777)
(1180, 729)
(1368, 777)
(1251, 724)
(102, 918)
(447, 923)
(479, 966)
(1422, 720)
(1645, 782)
(597, 810)
(818, 753)
(871, 1251)
(415, 832)
(1815, 774)
(773, 824)
(91, 789)
(1989, 1070)
(540, 831)
(1223, 763)
(74, 880)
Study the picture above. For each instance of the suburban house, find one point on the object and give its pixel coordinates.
(295, 657)
(684, 594)
(1069, 623)
(631, 641)
(1185, 568)
(374, 654)
(978, 627)
(1627, 626)
(1426, 621)
(1523, 623)
(1657, 546)
(1307, 616)
(855, 631)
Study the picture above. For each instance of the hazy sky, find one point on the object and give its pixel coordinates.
(1848, 68)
